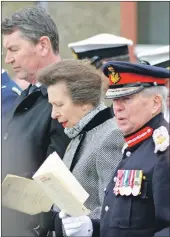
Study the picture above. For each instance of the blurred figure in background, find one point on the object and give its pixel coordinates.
(9, 92)
(102, 48)
(159, 57)
(29, 134)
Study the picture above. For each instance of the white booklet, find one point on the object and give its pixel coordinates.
(53, 183)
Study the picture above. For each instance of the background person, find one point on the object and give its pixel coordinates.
(9, 92)
(102, 48)
(160, 58)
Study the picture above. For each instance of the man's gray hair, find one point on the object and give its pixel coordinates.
(161, 90)
(33, 23)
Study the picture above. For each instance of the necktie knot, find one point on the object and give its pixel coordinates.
(33, 89)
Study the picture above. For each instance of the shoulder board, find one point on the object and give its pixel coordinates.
(161, 139)
(16, 90)
(2, 87)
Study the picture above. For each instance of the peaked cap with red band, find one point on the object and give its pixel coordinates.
(127, 78)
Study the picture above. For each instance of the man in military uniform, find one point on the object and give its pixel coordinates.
(101, 48)
(10, 91)
(137, 199)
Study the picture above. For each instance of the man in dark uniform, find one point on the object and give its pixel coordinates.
(101, 48)
(9, 91)
(137, 199)
(29, 134)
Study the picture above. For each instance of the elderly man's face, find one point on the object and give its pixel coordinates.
(23, 56)
(132, 112)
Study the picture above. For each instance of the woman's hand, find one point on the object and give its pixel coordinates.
(77, 226)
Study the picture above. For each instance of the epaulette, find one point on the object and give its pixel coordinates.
(16, 90)
(161, 139)
(2, 87)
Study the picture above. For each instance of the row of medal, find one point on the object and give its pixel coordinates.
(128, 182)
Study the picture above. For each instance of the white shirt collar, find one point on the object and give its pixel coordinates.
(38, 84)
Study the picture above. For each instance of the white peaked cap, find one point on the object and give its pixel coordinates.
(156, 56)
(99, 41)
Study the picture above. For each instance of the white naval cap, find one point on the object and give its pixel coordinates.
(157, 57)
(100, 41)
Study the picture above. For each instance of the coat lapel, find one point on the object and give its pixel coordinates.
(70, 152)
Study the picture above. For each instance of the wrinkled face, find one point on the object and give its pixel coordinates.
(63, 109)
(132, 112)
(23, 56)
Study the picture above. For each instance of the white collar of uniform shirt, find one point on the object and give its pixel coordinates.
(38, 84)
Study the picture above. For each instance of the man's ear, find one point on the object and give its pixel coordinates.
(44, 45)
(157, 104)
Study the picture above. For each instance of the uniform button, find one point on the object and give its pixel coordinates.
(106, 208)
(25, 108)
(104, 190)
(114, 179)
(5, 136)
(128, 153)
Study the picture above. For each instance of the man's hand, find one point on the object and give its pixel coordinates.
(77, 226)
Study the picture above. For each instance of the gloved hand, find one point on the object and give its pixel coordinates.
(77, 226)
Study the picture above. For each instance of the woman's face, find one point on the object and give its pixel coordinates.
(63, 109)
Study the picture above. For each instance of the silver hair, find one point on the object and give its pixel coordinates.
(33, 23)
(161, 90)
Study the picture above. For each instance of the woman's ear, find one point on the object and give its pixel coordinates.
(86, 107)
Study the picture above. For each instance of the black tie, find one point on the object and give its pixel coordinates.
(33, 89)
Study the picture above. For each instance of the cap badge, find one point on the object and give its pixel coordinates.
(113, 75)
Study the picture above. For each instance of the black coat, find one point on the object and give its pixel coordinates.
(147, 213)
(29, 135)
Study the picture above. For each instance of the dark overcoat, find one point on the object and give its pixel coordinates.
(29, 135)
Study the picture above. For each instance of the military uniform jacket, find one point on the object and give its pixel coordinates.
(93, 156)
(148, 212)
(10, 91)
(29, 135)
